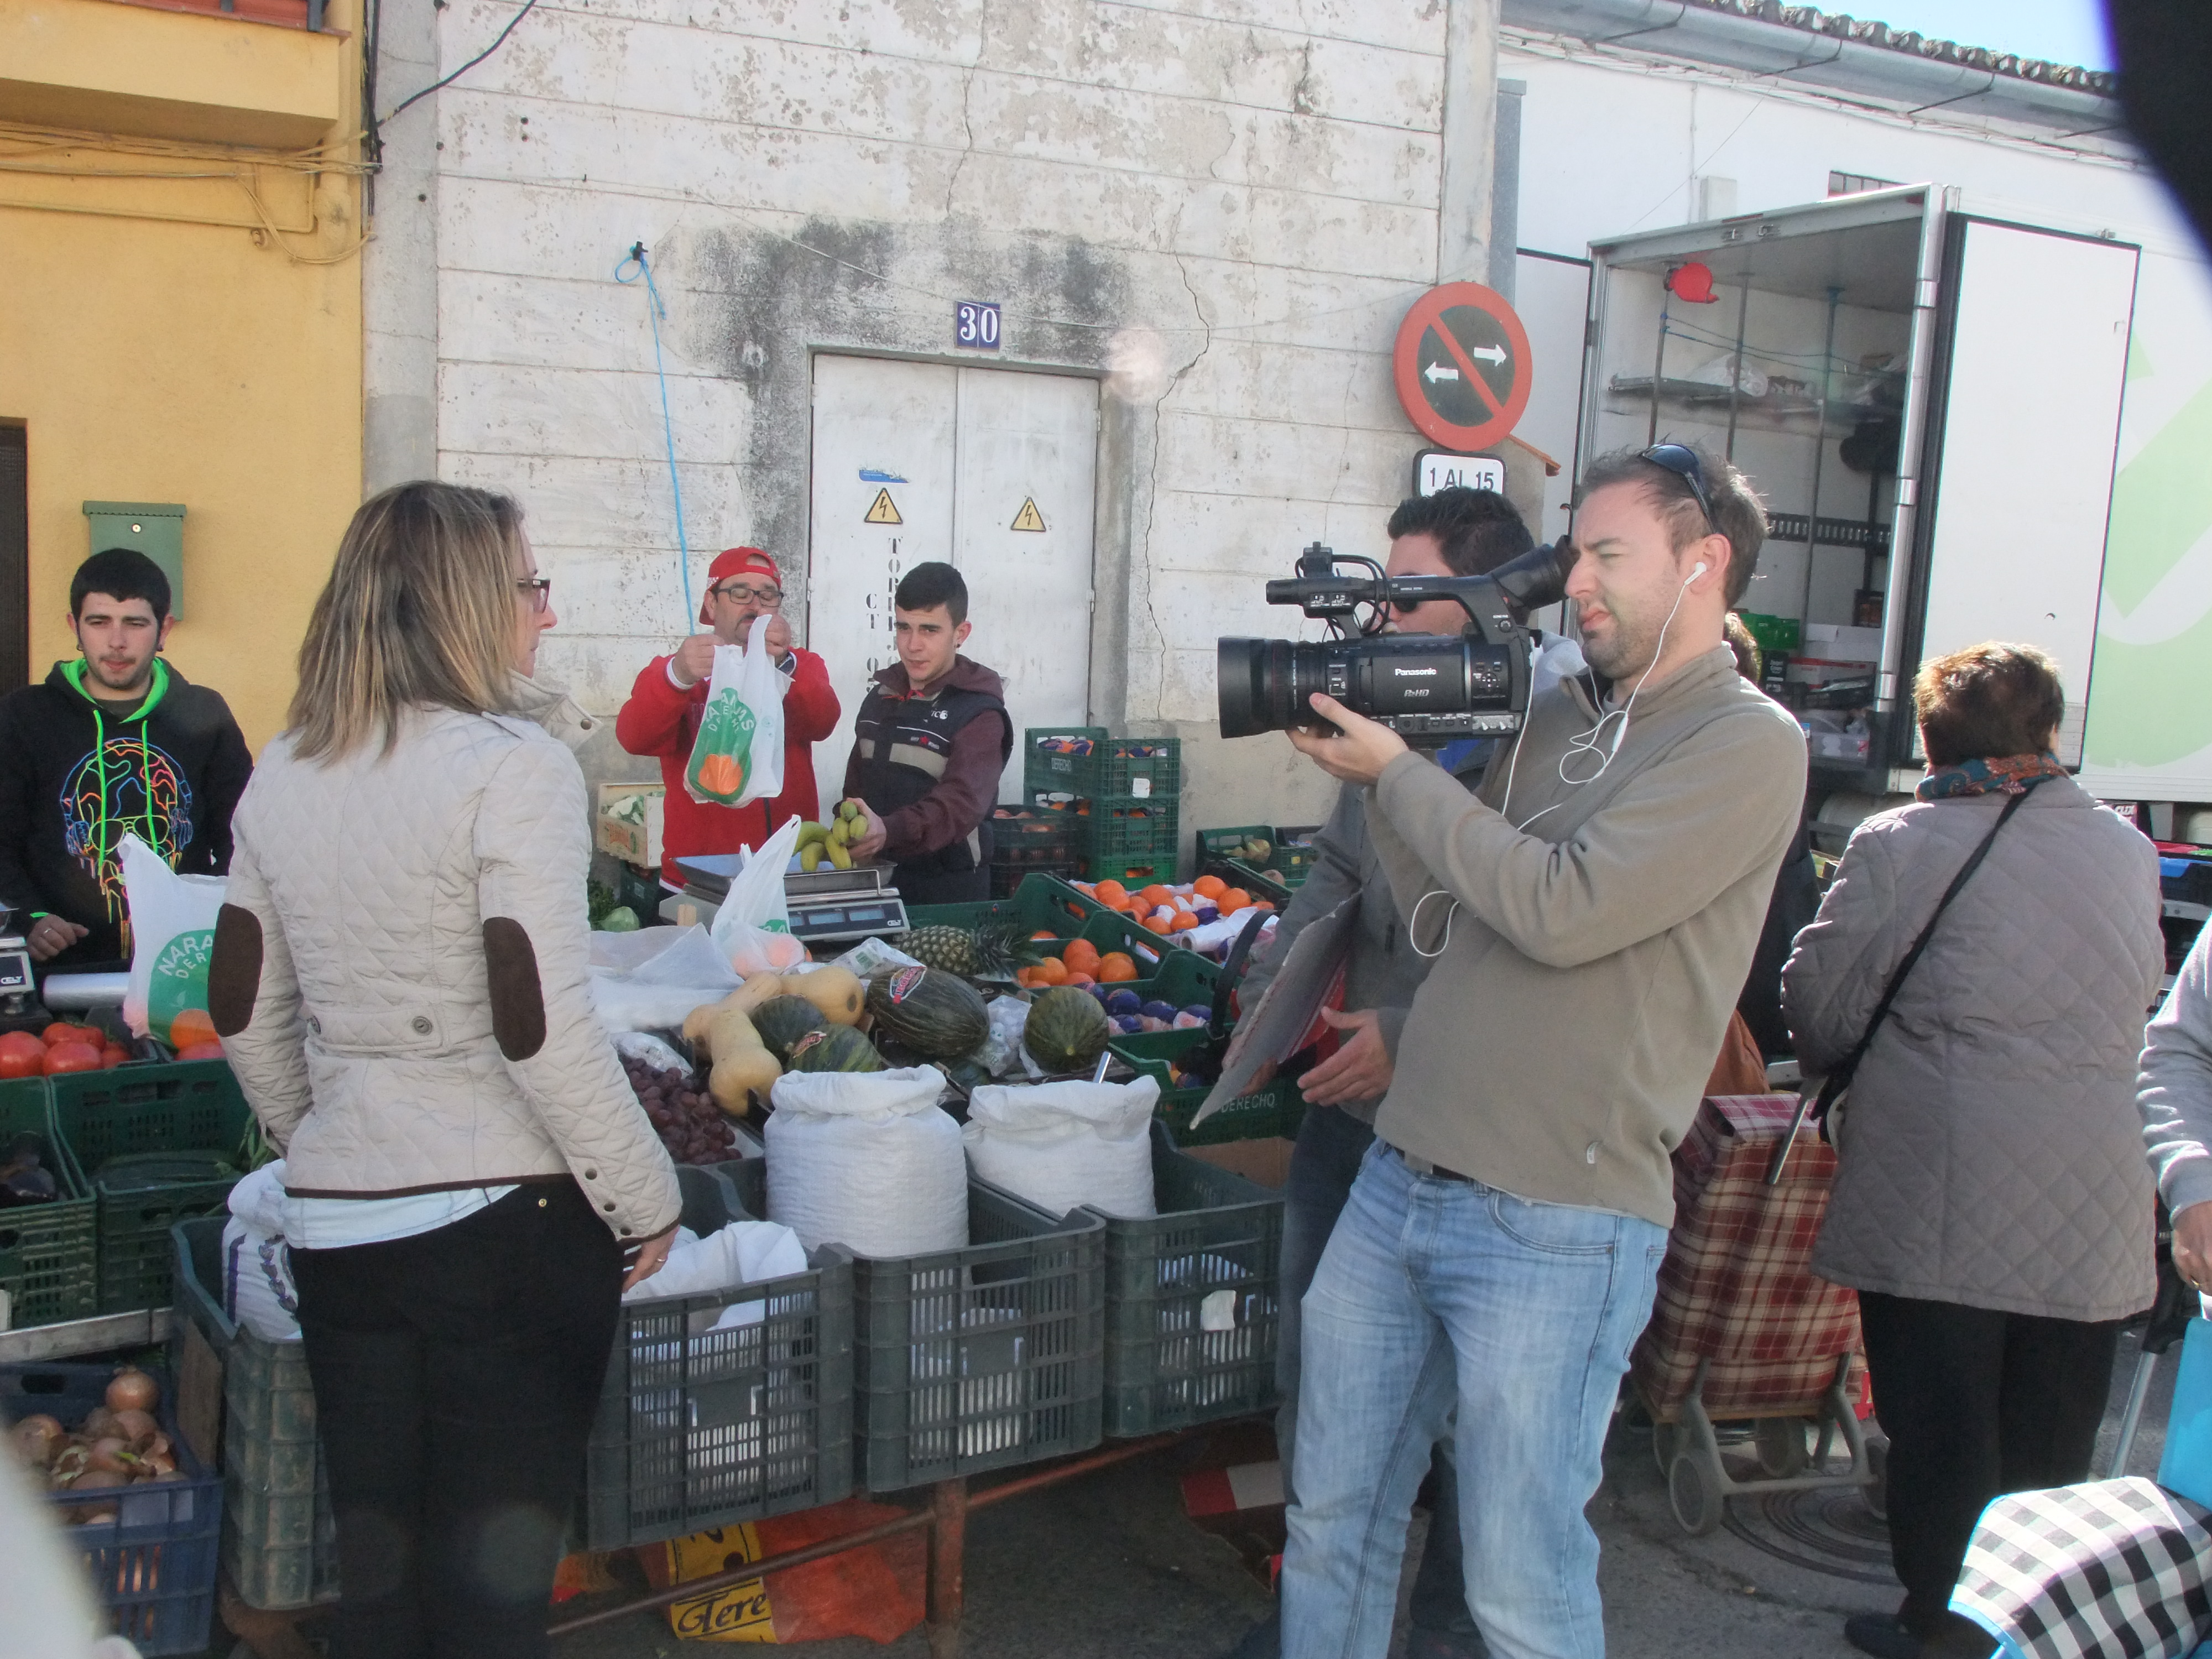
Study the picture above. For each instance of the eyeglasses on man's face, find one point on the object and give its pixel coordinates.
(745, 593)
(539, 590)
(1681, 460)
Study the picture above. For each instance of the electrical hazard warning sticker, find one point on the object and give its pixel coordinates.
(1029, 518)
(883, 510)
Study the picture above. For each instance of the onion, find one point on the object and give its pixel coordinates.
(99, 1423)
(133, 1390)
(137, 1427)
(34, 1437)
(111, 1455)
(69, 1463)
(158, 1464)
(97, 1480)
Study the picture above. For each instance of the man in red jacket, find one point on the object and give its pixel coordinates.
(662, 715)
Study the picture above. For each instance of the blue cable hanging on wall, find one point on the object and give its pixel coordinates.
(655, 311)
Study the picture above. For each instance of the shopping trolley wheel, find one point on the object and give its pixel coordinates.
(1877, 1492)
(1782, 1446)
(1664, 1438)
(1694, 1495)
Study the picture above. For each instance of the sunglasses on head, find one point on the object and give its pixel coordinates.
(1681, 460)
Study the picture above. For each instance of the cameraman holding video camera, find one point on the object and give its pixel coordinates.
(1454, 532)
(1591, 913)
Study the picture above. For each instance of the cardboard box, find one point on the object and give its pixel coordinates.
(1834, 642)
(623, 838)
(1265, 1162)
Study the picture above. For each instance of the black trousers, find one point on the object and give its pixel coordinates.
(456, 1377)
(1975, 1403)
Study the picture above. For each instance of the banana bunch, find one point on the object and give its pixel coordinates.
(831, 842)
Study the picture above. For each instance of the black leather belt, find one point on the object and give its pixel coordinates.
(1420, 1165)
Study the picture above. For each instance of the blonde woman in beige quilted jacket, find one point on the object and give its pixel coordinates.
(1992, 1206)
(399, 982)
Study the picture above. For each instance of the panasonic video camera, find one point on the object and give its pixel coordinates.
(1430, 688)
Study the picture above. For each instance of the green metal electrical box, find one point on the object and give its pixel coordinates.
(154, 528)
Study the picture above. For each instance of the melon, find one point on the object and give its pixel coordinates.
(938, 1015)
(783, 1021)
(834, 1048)
(1066, 1030)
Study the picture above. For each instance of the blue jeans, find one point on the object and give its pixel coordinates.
(1436, 1293)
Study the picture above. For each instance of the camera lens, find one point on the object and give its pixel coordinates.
(1252, 681)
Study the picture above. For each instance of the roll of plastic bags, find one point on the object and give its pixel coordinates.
(1062, 1145)
(868, 1160)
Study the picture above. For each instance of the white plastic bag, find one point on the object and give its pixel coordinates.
(738, 756)
(753, 926)
(257, 1291)
(1059, 1144)
(866, 1159)
(171, 937)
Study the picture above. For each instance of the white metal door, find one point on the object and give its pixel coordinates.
(989, 469)
(1022, 526)
(2029, 426)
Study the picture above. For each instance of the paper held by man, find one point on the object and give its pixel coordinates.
(1276, 1026)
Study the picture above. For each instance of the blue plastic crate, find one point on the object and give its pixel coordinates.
(152, 1568)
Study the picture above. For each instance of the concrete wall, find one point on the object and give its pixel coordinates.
(1220, 207)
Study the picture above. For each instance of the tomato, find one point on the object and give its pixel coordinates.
(15, 1062)
(62, 1031)
(111, 1057)
(201, 1051)
(65, 1057)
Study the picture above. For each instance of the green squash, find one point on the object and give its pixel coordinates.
(1067, 1030)
(783, 1021)
(937, 1014)
(834, 1048)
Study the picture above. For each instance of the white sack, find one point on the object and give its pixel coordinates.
(866, 1159)
(740, 1253)
(257, 1289)
(1060, 1145)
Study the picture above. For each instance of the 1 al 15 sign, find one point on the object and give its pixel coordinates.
(1439, 469)
(975, 324)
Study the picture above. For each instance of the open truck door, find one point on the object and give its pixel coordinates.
(1928, 401)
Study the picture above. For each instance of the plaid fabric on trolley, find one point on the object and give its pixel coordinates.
(1734, 1287)
(2111, 1570)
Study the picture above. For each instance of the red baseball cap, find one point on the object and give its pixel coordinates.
(732, 561)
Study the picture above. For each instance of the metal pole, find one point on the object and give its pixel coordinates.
(1820, 452)
(1735, 369)
(1658, 370)
(948, 1537)
(2145, 1369)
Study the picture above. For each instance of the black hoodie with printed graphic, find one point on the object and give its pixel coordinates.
(77, 775)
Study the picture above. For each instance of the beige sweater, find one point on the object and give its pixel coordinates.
(1557, 1048)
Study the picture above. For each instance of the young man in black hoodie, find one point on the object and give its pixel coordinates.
(113, 743)
(930, 739)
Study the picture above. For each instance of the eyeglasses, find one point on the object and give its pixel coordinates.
(739, 593)
(540, 589)
(1681, 460)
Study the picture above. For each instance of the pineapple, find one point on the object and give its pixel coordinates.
(984, 953)
(951, 949)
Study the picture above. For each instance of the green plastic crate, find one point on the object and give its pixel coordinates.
(978, 1359)
(1216, 1233)
(1772, 633)
(1041, 902)
(1129, 834)
(700, 1427)
(279, 1536)
(1277, 1110)
(49, 1265)
(142, 1195)
(185, 1106)
(1119, 769)
(1285, 868)
(1258, 884)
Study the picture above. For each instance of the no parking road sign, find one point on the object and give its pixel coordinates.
(1461, 364)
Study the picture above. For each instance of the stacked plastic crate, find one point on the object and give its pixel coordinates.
(1123, 792)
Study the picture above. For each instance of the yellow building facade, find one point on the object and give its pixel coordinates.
(180, 222)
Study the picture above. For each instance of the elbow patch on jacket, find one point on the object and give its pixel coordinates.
(518, 999)
(234, 970)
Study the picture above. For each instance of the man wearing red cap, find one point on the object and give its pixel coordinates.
(662, 715)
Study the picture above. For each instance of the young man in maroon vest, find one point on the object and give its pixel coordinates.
(930, 739)
(662, 715)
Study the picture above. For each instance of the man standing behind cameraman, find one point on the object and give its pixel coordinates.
(1454, 532)
(1591, 912)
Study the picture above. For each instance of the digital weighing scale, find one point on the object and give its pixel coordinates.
(827, 904)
